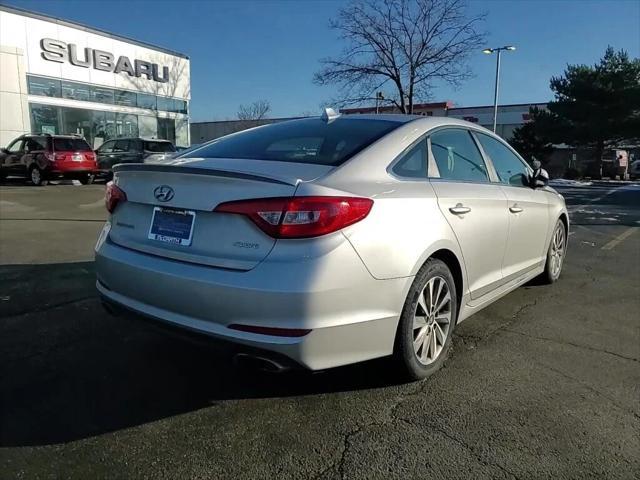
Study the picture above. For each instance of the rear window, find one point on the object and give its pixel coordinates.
(159, 147)
(310, 140)
(70, 145)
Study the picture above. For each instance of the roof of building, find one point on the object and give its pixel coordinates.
(86, 28)
(390, 108)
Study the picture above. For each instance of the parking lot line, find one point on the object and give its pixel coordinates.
(620, 238)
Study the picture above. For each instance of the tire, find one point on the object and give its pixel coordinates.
(424, 359)
(555, 254)
(87, 179)
(37, 176)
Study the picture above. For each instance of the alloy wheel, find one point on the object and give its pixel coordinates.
(432, 320)
(557, 250)
(36, 176)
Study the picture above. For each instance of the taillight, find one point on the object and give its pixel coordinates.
(113, 195)
(300, 217)
(52, 157)
(90, 156)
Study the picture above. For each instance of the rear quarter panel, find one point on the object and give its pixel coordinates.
(404, 228)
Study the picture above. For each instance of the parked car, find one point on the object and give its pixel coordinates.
(132, 150)
(185, 150)
(395, 230)
(634, 170)
(44, 157)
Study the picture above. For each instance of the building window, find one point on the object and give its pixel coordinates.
(147, 101)
(167, 129)
(126, 99)
(44, 86)
(76, 91)
(101, 95)
(91, 93)
(179, 106)
(126, 125)
(44, 119)
(165, 104)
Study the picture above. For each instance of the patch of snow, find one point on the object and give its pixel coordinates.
(563, 182)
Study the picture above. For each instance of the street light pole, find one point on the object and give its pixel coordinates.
(495, 93)
(497, 84)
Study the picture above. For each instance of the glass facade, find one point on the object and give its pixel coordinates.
(49, 87)
(94, 125)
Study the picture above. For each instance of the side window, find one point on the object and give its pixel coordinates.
(413, 163)
(121, 146)
(510, 169)
(16, 146)
(457, 156)
(106, 147)
(35, 144)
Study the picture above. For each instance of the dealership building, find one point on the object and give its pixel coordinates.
(60, 77)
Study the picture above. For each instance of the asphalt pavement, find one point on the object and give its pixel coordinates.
(545, 383)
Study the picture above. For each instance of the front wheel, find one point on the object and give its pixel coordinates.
(555, 254)
(426, 325)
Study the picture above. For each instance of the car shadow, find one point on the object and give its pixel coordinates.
(70, 370)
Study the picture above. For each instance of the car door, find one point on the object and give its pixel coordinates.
(136, 151)
(34, 150)
(105, 155)
(528, 208)
(475, 207)
(12, 162)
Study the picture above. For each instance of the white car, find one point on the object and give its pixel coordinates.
(326, 241)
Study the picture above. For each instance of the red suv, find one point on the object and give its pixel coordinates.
(43, 157)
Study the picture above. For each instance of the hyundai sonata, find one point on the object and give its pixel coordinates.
(328, 241)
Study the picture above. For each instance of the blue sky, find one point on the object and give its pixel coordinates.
(250, 49)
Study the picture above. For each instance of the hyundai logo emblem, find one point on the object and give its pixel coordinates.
(163, 193)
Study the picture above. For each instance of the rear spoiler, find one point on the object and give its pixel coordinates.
(148, 167)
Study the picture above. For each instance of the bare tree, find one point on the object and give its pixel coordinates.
(255, 111)
(411, 43)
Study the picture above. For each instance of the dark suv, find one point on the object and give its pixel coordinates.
(43, 157)
(132, 150)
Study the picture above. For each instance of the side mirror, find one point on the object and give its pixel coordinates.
(540, 178)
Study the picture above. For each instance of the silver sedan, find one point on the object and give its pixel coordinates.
(328, 241)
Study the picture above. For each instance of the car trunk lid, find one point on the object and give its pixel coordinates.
(177, 192)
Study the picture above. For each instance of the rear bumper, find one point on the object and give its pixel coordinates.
(352, 316)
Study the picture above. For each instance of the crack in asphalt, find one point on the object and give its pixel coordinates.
(577, 345)
(417, 391)
(467, 447)
(590, 388)
(50, 306)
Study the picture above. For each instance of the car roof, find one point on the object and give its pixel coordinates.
(146, 139)
(33, 135)
(426, 121)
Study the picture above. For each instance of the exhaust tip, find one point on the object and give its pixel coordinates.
(256, 362)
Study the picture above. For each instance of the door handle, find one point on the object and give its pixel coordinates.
(515, 209)
(459, 209)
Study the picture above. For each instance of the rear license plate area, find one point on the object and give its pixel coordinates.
(172, 225)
